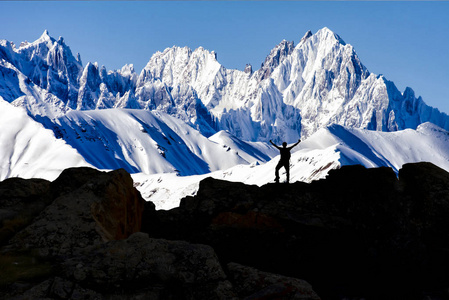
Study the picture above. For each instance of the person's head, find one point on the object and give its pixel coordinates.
(284, 144)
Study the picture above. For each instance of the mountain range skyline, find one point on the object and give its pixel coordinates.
(299, 88)
(404, 41)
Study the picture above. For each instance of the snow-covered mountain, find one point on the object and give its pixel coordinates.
(298, 89)
(136, 140)
(29, 150)
(327, 149)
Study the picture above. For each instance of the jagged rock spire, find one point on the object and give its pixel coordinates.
(306, 36)
(248, 69)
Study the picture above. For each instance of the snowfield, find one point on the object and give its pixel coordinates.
(28, 150)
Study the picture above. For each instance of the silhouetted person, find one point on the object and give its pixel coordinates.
(285, 159)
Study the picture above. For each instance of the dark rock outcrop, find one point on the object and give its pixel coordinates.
(358, 233)
(81, 240)
(152, 268)
(45, 223)
(89, 207)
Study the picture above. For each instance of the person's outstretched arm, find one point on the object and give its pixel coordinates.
(299, 141)
(274, 144)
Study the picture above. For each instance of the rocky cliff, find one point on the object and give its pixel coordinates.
(79, 237)
(359, 233)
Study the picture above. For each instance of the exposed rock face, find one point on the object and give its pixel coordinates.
(275, 57)
(81, 241)
(248, 69)
(358, 233)
(153, 268)
(89, 207)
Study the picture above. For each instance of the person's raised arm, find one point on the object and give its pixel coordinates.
(299, 141)
(274, 144)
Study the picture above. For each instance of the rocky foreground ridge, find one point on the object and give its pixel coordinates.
(359, 233)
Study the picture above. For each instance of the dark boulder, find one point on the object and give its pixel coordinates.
(93, 207)
(47, 223)
(358, 233)
(156, 268)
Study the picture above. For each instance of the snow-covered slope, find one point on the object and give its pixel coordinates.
(150, 142)
(327, 149)
(28, 150)
(298, 89)
(250, 151)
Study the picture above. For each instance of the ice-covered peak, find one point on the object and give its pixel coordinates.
(160, 58)
(277, 54)
(175, 65)
(306, 36)
(45, 41)
(206, 54)
(281, 50)
(127, 70)
(7, 49)
(178, 63)
(45, 37)
(327, 34)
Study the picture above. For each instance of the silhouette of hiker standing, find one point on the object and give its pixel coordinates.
(285, 159)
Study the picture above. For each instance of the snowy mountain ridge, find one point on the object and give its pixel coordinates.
(139, 141)
(298, 89)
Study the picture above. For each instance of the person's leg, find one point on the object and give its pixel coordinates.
(278, 166)
(287, 168)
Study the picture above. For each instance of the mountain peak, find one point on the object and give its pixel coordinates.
(306, 36)
(45, 35)
(248, 69)
(325, 33)
(409, 92)
(277, 54)
(44, 38)
(61, 40)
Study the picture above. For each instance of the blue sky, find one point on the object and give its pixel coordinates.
(408, 42)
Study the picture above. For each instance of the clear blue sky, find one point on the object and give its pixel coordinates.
(408, 42)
